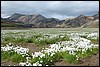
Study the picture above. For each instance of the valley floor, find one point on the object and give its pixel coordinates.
(90, 61)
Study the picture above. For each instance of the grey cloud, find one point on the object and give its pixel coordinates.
(50, 8)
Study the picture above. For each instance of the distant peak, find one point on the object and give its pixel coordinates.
(17, 13)
(53, 18)
(36, 15)
(81, 16)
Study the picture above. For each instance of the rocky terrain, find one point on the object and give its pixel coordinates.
(39, 21)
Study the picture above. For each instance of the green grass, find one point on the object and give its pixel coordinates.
(88, 53)
(11, 37)
(7, 25)
(12, 56)
(47, 59)
(95, 41)
(65, 56)
(72, 58)
(51, 41)
(68, 57)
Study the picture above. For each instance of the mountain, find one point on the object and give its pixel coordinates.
(15, 16)
(93, 22)
(76, 22)
(96, 16)
(31, 19)
(82, 21)
(48, 22)
(38, 20)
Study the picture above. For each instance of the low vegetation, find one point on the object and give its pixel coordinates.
(70, 46)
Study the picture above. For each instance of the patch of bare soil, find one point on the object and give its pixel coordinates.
(7, 63)
(33, 47)
(91, 61)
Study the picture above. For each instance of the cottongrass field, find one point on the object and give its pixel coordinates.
(69, 44)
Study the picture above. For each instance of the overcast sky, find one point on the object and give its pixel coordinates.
(55, 9)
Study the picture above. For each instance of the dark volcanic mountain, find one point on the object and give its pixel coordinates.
(37, 20)
(15, 16)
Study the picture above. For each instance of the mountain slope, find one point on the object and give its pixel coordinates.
(15, 16)
(93, 23)
(37, 20)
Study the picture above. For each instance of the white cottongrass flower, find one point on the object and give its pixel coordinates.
(47, 65)
(52, 54)
(10, 43)
(38, 54)
(61, 36)
(93, 35)
(37, 64)
(41, 61)
(76, 44)
(22, 64)
(28, 64)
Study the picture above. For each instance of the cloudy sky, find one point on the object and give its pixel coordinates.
(55, 9)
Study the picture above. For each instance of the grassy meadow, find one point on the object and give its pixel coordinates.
(69, 44)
